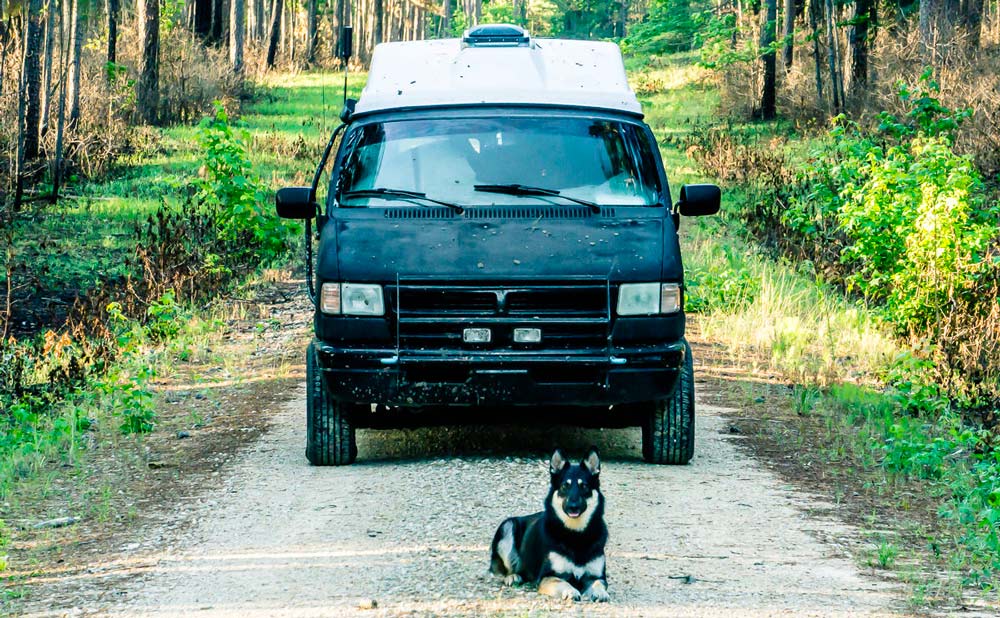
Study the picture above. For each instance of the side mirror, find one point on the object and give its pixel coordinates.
(699, 200)
(295, 203)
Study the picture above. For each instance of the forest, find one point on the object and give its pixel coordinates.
(858, 255)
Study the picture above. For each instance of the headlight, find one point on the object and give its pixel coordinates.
(361, 299)
(648, 298)
(352, 299)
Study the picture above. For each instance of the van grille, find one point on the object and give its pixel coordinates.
(571, 315)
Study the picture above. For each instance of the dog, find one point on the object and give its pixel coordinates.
(561, 549)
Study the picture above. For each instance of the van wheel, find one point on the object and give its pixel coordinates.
(668, 427)
(330, 436)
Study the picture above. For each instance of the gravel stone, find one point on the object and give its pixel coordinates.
(410, 525)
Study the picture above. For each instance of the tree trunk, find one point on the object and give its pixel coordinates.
(446, 20)
(79, 25)
(832, 54)
(149, 66)
(972, 20)
(50, 35)
(787, 32)
(768, 95)
(237, 29)
(379, 11)
(113, 8)
(4, 36)
(277, 8)
(865, 18)
(57, 164)
(928, 9)
(258, 20)
(815, 15)
(28, 104)
(312, 32)
(288, 30)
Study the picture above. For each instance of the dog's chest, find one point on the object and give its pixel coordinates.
(566, 567)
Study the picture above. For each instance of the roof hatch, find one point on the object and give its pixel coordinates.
(496, 35)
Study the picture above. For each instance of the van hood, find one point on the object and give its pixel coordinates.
(380, 244)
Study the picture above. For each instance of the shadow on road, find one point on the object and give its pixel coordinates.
(493, 441)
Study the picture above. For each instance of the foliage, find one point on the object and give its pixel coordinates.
(498, 13)
(894, 215)
(720, 285)
(670, 26)
(917, 229)
(163, 317)
(459, 22)
(234, 194)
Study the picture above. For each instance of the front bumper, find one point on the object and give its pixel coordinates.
(464, 378)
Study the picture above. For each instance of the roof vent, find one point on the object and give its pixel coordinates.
(496, 35)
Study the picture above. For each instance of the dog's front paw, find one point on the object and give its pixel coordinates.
(512, 580)
(570, 594)
(598, 593)
(559, 589)
(599, 596)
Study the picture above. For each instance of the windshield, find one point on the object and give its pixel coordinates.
(604, 161)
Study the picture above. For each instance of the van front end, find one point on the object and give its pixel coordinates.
(536, 343)
(477, 257)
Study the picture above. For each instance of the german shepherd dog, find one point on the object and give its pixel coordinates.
(561, 549)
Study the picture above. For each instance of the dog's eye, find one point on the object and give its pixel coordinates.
(565, 486)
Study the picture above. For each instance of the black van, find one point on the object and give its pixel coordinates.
(487, 256)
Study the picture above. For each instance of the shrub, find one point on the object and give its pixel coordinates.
(234, 195)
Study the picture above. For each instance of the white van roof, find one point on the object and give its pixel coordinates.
(448, 72)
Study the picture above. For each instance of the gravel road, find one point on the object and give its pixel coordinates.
(405, 532)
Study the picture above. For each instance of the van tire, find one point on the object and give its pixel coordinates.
(330, 436)
(668, 426)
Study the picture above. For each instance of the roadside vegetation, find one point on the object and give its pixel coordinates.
(857, 259)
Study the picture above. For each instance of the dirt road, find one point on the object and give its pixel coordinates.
(406, 531)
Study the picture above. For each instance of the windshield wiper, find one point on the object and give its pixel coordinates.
(409, 196)
(516, 189)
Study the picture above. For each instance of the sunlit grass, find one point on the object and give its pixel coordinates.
(793, 324)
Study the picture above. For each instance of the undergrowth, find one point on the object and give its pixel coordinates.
(61, 387)
(876, 281)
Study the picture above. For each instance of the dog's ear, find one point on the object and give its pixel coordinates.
(557, 463)
(592, 462)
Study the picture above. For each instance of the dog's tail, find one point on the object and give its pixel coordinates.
(504, 558)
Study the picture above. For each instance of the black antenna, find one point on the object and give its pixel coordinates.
(345, 48)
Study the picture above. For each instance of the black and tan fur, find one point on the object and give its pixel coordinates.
(561, 549)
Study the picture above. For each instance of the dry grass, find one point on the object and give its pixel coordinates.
(807, 332)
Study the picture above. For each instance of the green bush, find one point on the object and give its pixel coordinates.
(236, 196)
(719, 288)
(910, 214)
